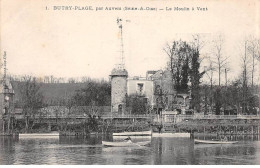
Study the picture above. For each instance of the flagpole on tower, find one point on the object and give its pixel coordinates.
(122, 58)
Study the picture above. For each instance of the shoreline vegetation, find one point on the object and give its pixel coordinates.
(208, 92)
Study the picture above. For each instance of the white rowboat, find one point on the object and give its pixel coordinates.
(39, 135)
(144, 138)
(125, 144)
(142, 133)
(214, 141)
(172, 135)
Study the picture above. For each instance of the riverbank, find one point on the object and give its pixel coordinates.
(221, 127)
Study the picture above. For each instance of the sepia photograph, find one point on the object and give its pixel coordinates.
(129, 82)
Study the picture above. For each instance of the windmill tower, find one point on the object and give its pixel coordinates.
(119, 78)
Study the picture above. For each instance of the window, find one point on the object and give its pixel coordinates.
(120, 108)
(140, 87)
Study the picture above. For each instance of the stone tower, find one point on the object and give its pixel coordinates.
(118, 90)
(119, 79)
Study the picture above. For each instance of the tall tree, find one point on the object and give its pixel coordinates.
(245, 62)
(194, 72)
(185, 74)
(195, 76)
(209, 71)
(219, 60)
(258, 49)
(253, 50)
(179, 54)
(31, 100)
(218, 100)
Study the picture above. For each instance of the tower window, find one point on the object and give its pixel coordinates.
(140, 87)
(120, 108)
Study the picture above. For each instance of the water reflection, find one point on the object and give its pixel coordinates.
(172, 150)
(73, 150)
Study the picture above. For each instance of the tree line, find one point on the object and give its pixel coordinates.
(184, 63)
(241, 93)
(31, 101)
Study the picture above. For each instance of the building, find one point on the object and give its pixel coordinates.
(141, 87)
(6, 105)
(118, 90)
(156, 88)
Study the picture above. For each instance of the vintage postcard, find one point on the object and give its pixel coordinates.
(129, 82)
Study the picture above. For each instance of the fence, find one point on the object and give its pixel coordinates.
(178, 118)
(156, 118)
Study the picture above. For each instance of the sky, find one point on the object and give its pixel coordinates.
(74, 43)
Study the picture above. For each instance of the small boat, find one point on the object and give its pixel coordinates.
(214, 141)
(172, 135)
(142, 133)
(39, 135)
(125, 143)
(136, 138)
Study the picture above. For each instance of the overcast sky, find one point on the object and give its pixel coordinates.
(85, 43)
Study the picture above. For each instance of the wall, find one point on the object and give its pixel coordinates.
(162, 80)
(147, 91)
(118, 92)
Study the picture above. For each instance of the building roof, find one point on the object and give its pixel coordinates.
(119, 72)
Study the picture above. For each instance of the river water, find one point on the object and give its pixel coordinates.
(88, 151)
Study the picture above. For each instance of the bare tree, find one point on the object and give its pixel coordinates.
(219, 60)
(245, 64)
(170, 51)
(71, 80)
(1, 64)
(85, 79)
(254, 49)
(258, 49)
(31, 100)
(197, 42)
(209, 71)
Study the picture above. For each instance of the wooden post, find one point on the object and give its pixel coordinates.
(8, 124)
(49, 126)
(116, 125)
(258, 132)
(3, 126)
(12, 124)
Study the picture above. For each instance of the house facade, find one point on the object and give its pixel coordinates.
(157, 88)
